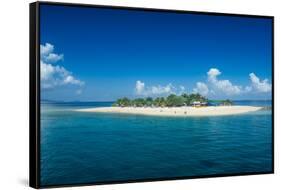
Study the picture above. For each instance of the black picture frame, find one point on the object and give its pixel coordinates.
(34, 90)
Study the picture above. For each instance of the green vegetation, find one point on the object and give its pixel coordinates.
(171, 101)
(175, 101)
(226, 102)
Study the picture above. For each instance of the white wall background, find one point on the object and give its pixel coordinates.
(14, 39)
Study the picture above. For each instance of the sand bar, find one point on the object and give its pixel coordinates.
(176, 111)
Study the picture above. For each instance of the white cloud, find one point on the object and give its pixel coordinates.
(47, 70)
(69, 79)
(140, 87)
(54, 75)
(201, 88)
(52, 57)
(259, 85)
(142, 90)
(162, 89)
(212, 74)
(248, 89)
(46, 49)
(226, 87)
(223, 86)
(47, 55)
(212, 87)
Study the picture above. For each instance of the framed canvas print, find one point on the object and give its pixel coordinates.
(121, 94)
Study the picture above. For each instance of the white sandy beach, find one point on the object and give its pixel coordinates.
(176, 111)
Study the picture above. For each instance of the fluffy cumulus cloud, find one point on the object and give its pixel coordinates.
(201, 88)
(215, 86)
(47, 54)
(162, 89)
(222, 86)
(54, 75)
(212, 74)
(46, 49)
(140, 87)
(259, 85)
(157, 90)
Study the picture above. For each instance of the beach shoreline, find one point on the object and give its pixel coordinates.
(186, 111)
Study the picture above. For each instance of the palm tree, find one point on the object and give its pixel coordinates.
(148, 101)
(126, 101)
(157, 102)
(186, 99)
(163, 102)
(227, 102)
(118, 102)
(139, 102)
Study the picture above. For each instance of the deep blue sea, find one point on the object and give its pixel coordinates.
(79, 147)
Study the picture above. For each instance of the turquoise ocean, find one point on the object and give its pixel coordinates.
(79, 147)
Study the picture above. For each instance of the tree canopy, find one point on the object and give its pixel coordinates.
(226, 102)
(170, 101)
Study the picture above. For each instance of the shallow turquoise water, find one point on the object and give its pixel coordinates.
(94, 147)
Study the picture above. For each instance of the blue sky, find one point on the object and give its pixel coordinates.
(90, 54)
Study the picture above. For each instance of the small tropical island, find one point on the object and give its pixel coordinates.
(195, 100)
(174, 105)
